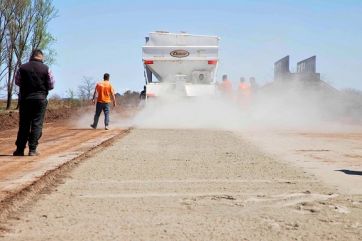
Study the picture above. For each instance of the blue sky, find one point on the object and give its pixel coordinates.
(94, 37)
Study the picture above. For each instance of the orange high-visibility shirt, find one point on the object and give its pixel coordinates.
(226, 86)
(105, 91)
(244, 86)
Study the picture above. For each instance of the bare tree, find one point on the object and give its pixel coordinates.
(70, 94)
(41, 12)
(55, 96)
(86, 88)
(26, 30)
(19, 31)
(7, 15)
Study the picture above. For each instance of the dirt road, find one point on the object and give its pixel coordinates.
(334, 156)
(59, 144)
(187, 185)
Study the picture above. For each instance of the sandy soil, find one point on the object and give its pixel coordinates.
(59, 144)
(333, 156)
(188, 185)
(10, 120)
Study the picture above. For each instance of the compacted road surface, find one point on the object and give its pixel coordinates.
(187, 185)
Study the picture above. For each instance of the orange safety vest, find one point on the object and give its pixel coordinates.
(226, 86)
(105, 91)
(243, 86)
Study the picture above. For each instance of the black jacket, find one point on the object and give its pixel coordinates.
(34, 79)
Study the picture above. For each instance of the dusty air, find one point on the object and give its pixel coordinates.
(170, 140)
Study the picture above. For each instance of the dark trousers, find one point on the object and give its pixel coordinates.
(105, 107)
(31, 118)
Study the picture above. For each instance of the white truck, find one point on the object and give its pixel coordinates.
(180, 64)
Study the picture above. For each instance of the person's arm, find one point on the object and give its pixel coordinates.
(113, 98)
(94, 95)
(17, 78)
(51, 80)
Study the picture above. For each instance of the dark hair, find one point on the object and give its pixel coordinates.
(35, 53)
(225, 77)
(106, 76)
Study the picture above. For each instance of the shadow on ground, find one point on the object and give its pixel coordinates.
(350, 172)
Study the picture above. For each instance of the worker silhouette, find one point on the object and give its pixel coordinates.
(226, 87)
(253, 85)
(103, 96)
(35, 80)
(143, 93)
(244, 88)
(244, 93)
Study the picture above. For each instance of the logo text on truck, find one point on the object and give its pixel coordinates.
(179, 53)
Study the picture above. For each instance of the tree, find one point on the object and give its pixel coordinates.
(7, 10)
(19, 30)
(70, 94)
(41, 38)
(23, 28)
(56, 97)
(86, 88)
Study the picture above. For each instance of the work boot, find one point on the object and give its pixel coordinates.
(93, 126)
(18, 152)
(33, 153)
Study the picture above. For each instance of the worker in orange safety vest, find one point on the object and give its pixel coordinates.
(244, 87)
(244, 92)
(226, 87)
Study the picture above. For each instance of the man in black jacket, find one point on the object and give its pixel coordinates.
(34, 80)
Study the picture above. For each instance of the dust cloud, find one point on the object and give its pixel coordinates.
(279, 106)
(85, 119)
(283, 105)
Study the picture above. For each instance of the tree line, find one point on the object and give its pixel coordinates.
(84, 93)
(23, 28)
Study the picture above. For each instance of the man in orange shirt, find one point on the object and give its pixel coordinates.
(244, 88)
(105, 93)
(226, 86)
(244, 93)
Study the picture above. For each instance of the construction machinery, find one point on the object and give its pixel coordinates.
(180, 64)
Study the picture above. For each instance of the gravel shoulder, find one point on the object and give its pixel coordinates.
(187, 185)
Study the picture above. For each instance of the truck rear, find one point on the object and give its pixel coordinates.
(179, 64)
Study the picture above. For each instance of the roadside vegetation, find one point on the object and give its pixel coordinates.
(23, 28)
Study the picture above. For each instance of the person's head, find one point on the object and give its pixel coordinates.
(106, 77)
(37, 54)
(144, 87)
(242, 80)
(224, 77)
(252, 80)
